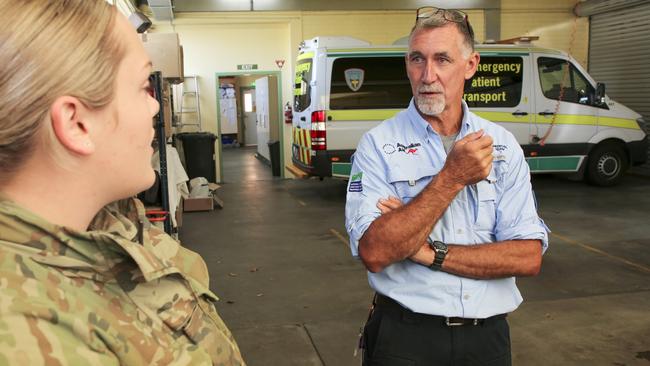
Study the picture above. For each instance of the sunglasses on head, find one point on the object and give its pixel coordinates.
(450, 15)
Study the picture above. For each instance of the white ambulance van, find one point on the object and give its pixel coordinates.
(562, 118)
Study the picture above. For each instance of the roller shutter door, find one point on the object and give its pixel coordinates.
(619, 55)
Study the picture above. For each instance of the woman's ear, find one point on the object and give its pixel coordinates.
(70, 125)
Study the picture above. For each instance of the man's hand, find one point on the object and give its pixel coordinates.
(386, 205)
(470, 160)
(422, 255)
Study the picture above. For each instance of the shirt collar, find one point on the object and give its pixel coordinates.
(423, 128)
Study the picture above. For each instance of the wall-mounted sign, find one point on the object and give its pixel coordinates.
(247, 67)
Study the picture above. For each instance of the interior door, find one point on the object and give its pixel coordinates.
(250, 116)
(228, 106)
(263, 116)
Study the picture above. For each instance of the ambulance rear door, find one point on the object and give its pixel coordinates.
(302, 107)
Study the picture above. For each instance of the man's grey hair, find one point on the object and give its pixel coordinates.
(438, 20)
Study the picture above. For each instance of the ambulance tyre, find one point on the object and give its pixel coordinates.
(607, 163)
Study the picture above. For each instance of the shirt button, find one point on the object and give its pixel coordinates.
(460, 231)
(466, 297)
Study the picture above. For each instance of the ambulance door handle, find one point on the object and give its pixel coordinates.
(546, 113)
(519, 113)
(302, 118)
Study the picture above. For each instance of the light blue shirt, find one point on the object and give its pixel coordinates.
(399, 158)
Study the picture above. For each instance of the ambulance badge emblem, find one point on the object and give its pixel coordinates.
(354, 78)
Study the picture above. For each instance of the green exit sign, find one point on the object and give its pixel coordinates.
(247, 67)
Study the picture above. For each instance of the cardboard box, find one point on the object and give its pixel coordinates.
(181, 78)
(198, 204)
(165, 53)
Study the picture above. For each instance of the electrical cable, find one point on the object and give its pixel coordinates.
(542, 141)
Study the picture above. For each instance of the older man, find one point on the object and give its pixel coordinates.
(441, 212)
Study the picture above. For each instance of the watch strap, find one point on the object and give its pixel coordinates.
(437, 261)
(439, 254)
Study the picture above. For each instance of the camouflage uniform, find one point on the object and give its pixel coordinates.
(123, 292)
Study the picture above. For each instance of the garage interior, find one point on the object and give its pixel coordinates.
(275, 244)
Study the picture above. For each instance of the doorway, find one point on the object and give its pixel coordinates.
(248, 117)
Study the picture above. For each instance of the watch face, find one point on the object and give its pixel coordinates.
(440, 246)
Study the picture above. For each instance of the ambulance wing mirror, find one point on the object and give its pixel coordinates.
(600, 93)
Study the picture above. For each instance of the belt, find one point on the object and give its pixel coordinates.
(390, 305)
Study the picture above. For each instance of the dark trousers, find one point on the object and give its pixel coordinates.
(396, 336)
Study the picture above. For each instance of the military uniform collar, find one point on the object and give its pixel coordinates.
(124, 223)
(113, 239)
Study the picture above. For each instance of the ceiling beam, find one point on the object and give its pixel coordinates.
(320, 5)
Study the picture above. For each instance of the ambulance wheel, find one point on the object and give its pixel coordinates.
(607, 163)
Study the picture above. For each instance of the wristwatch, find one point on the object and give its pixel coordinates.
(440, 249)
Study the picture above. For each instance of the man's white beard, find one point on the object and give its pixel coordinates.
(430, 106)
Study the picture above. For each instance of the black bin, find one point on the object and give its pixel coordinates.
(274, 151)
(197, 152)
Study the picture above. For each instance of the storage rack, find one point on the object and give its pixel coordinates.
(156, 82)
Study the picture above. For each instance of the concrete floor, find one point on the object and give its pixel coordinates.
(292, 295)
(241, 165)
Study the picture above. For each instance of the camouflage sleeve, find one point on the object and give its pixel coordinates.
(27, 340)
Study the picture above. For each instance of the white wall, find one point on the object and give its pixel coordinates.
(219, 48)
(552, 20)
(214, 44)
(376, 27)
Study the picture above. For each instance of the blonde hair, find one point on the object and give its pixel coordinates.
(50, 49)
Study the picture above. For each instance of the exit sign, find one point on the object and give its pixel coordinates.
(247, 67)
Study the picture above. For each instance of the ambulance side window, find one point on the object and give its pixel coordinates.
(369, 83)
(497, 83)
(302, 88)
(560, 80)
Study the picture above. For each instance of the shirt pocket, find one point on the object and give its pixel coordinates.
(410, 184)
(486, 195)
(487, 191)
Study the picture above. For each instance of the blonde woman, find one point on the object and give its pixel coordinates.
(84, 281)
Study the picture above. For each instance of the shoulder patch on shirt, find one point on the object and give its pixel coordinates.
(355, 183)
